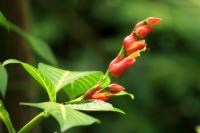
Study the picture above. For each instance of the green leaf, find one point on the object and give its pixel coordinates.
(106, 81)
(94, 105)
(38, 76)
(4, 116)
(3, 80)
(74, 83)
(3, 20)
(198, 129)
(122, 93)
(65, 116)
(39, 46)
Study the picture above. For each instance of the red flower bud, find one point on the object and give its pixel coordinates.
(119, 65)
(97, 88)
(153, 20)
(143, 31)
(115, 88)
(136, 46)
(140, 24)
(101, 96)
(129, 40)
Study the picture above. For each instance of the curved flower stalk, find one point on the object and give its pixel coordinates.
(132, 46)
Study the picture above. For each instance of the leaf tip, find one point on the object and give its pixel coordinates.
(23, 104)
(10, 61)
(132, 96)
(119, 111)
(98, 121)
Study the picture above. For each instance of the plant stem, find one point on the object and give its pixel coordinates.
(106, 74)
(122, 51)
(32, 122)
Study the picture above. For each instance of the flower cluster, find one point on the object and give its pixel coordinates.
(133, 45)
(97, 92)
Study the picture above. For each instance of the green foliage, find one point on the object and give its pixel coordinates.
(122, 93)
(74, 83)
(94, 105)
(65, 116)
(54, 79)
(3, 21)
(38, 76)
(3, 80)
(106, 81)
(4, 116)
(198, 129)
(39, 46)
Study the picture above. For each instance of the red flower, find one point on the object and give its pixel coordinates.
(129, 41)
(119, 65)
(143, 30)
(97, 88)
(140, 24)
(115, 88)
(101, 96)
(136, 46)
(153, 20)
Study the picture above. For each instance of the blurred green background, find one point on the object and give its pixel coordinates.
(87, 34)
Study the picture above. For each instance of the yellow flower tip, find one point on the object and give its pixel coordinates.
(140, 42)
(144, 49)
(134, 55)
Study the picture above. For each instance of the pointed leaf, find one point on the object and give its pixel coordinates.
(198, 129)
(4, 116)
(38, 76)
(65, 116)
(74, 83)
(3, 21)
(122, 93)
(39, 46)
(3, 80)
(94, 105)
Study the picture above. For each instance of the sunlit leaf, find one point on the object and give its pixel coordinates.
(4, 116)
(94, 105)
(74, 83)
(38, 76)
(39, 46)
(3, 80)
(65, 116)
(198, 129)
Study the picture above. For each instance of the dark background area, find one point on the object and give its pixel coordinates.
(87, 35)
